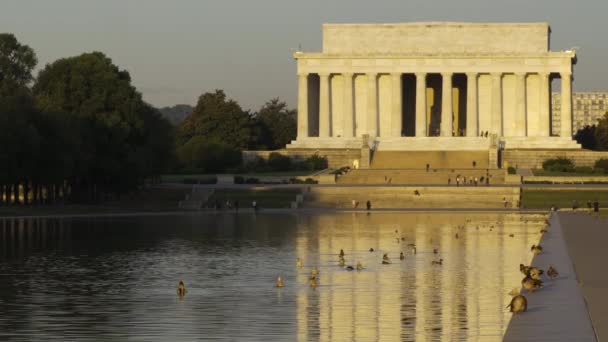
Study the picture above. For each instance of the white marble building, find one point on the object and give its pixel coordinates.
(433, 86)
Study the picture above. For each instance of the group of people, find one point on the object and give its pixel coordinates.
(464, 180)
(234, 205)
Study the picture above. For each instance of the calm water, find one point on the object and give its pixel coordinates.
(115, 279)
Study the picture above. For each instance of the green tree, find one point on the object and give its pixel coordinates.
(200, 155)
(218, 119)
(116, 144)
(16, 63)
(586, 137)
(277, 124)
(601, 134)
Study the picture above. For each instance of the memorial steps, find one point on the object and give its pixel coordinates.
(435, 159)
(392, 197)
(418, 176)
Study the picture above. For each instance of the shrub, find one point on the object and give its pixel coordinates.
(602, 164)
(279, 162)
(201, 155)
(511, 170)
(316, 162)
(583, 169)
(559, 164)
(310, 181)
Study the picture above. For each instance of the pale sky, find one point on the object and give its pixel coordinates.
(176, 50)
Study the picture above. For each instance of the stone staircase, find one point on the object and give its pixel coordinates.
(435, 159)
(196, 199)
(419, 176)
(451, 197)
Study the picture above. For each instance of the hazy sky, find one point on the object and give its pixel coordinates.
(177, 49)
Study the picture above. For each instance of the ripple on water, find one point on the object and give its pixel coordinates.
(109, 279)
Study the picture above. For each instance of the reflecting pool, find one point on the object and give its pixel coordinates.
(116, 278)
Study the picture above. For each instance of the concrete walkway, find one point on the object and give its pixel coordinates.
(556, 312)
(587, 241)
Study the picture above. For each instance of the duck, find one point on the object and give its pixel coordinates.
(535, 273)
(342, 253)
(371, 249)
(350, 268)
(298, 263)
(181, 289)
(524, 269)
(385, 259)
(518, 304)
(536, 249)
(435, 262)
(552, 272)
(359, 266)
(401, 256)
(279, 282)
(531, 284)
(314, 272)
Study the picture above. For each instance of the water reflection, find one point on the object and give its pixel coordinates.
(102, 279)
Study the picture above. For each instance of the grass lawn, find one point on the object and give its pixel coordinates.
(544, 199)
(266, 198)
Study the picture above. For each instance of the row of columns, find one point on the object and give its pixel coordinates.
(446, 127)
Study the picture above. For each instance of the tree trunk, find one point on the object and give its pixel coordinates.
(26, 192)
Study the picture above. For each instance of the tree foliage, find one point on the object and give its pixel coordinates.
(218, 119)
(82, 129)
(277, 125)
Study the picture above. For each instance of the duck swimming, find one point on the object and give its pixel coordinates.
(299, 263)
(371, 249)
(518, 304)
(350, 268)
(534, 273)
(435, 262)
(536, 249)
(279, 282)
(385, 259)
(181, 289)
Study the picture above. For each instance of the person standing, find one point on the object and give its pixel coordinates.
(596, 206)
(368, 204)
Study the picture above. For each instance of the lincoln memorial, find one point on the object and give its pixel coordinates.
(433, 86)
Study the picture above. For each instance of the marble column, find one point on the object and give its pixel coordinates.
(324, 119)
(421, 124)
(446, 106)
(566, 114)
(497, 104)
(521, 122)
(349, 118)
(544, 121)
(372, 104)
(302, 106)
(396, 112)
(472, 109)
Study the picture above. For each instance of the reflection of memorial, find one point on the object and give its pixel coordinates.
(409, 299)
(20, 235)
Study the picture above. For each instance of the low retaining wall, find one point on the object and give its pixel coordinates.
(533, 159)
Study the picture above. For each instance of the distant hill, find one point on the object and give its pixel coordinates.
(177, 113)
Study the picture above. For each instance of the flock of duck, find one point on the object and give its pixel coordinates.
(386, 260)
(532, 280)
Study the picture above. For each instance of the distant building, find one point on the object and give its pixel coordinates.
(587, 109)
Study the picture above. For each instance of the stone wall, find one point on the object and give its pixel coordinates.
(533, 159)
(336, 158)
(431, 38)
